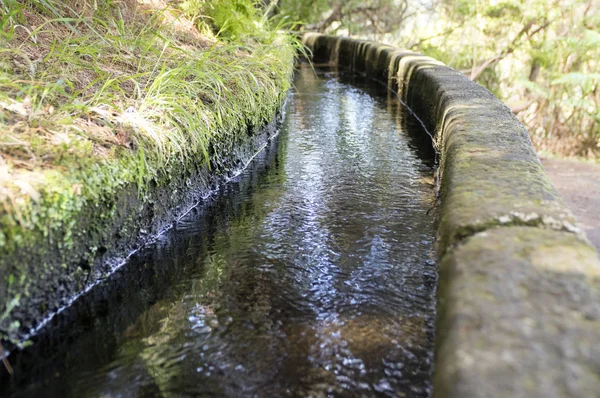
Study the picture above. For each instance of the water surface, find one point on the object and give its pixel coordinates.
(310, 274)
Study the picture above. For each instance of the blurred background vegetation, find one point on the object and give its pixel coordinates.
(541, 57)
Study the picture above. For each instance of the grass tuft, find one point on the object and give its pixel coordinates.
(99, 94)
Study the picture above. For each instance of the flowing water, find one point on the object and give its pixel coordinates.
(310, 274)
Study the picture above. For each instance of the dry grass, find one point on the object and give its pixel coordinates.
(85, 80)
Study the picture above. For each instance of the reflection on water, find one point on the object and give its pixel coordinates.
(310, 275)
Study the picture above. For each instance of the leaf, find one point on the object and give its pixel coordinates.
(534, 87)
(576, 78)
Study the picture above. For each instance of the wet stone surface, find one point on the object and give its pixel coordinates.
(311, 274)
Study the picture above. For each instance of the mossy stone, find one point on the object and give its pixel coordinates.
(519, 316)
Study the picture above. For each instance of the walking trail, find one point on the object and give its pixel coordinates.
(579, 185)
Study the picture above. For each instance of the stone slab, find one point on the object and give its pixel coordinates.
(490, 174)
(519, 316)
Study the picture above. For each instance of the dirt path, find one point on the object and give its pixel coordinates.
(579, 185)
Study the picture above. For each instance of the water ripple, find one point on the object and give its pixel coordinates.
(313, 278)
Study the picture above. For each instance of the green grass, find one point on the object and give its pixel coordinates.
(99, 95)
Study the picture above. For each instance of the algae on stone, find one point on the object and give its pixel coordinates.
(519, 286)
(519, 316)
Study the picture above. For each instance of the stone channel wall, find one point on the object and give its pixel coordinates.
(117, 228)
(519, 285)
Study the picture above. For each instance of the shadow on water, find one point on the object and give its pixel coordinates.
(310, 274)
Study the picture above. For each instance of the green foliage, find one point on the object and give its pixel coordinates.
(503, 10)
(543, 58)
(305, 12)
(230, 19)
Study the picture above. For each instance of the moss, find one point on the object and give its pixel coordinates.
(73, 232)
(488, 182)
(91, 198)
(520, 302)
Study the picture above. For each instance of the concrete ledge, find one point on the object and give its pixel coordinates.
(519, 316)
(518, 302)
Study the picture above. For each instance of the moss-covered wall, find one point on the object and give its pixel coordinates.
(105, 231)
(115, 117)
(519, 287)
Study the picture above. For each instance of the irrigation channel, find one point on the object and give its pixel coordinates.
(312, 273)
